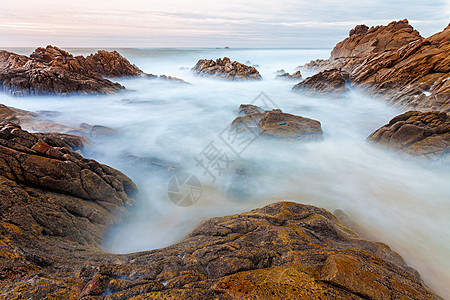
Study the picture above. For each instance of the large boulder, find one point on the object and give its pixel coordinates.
(275, 124)
(282, 251)
(425, 134)
(330, 82)
(225, 69)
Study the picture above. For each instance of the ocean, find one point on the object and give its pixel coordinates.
(394, 199)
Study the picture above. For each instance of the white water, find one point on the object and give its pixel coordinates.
(394, 199)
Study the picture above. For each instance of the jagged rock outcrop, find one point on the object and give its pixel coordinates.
(415, 76)
(363, 41)
(294, 76)
(397, 64)
(225, 69)
(109, 64)
(329, 82)
(51, 70)
(275, 124)
(425, 134)
(20, 75)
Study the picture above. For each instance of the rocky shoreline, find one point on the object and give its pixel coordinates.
(56, 205)
(50, 71)
(396, 63)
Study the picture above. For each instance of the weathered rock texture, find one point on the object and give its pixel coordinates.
(363, 41)
(397, 64)
(275, 124)
(282, 251)
(51, 70)
(329, 82)
(225, 69)
(416, 133)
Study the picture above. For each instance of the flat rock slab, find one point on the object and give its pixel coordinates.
(276, 124)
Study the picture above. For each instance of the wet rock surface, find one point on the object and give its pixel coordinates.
(425, 134)
(52, 70)
(56, 205)
(282, 251)
(42, 121)
(225, 69)
(330, 82)
(275, 124)
(394, 62)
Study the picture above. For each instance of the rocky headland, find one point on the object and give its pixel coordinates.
(225, 69)
(52, 70)
(396, 63)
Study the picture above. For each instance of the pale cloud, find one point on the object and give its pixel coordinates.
(202, 23)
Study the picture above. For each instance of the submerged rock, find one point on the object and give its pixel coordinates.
(294, 76)
(425, 134)
(330, 82)
(41, 121)
(225, 69)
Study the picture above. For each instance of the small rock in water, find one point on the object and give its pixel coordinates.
(225, 69)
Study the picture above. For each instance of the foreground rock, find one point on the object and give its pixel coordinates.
(282, 251)
(51, 70)
(416, 133)
(330, 82)
(397, 64)
(225, 69)
(276, 124)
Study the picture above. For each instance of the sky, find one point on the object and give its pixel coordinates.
(206, 23)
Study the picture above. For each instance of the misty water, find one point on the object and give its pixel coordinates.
(394, 199)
